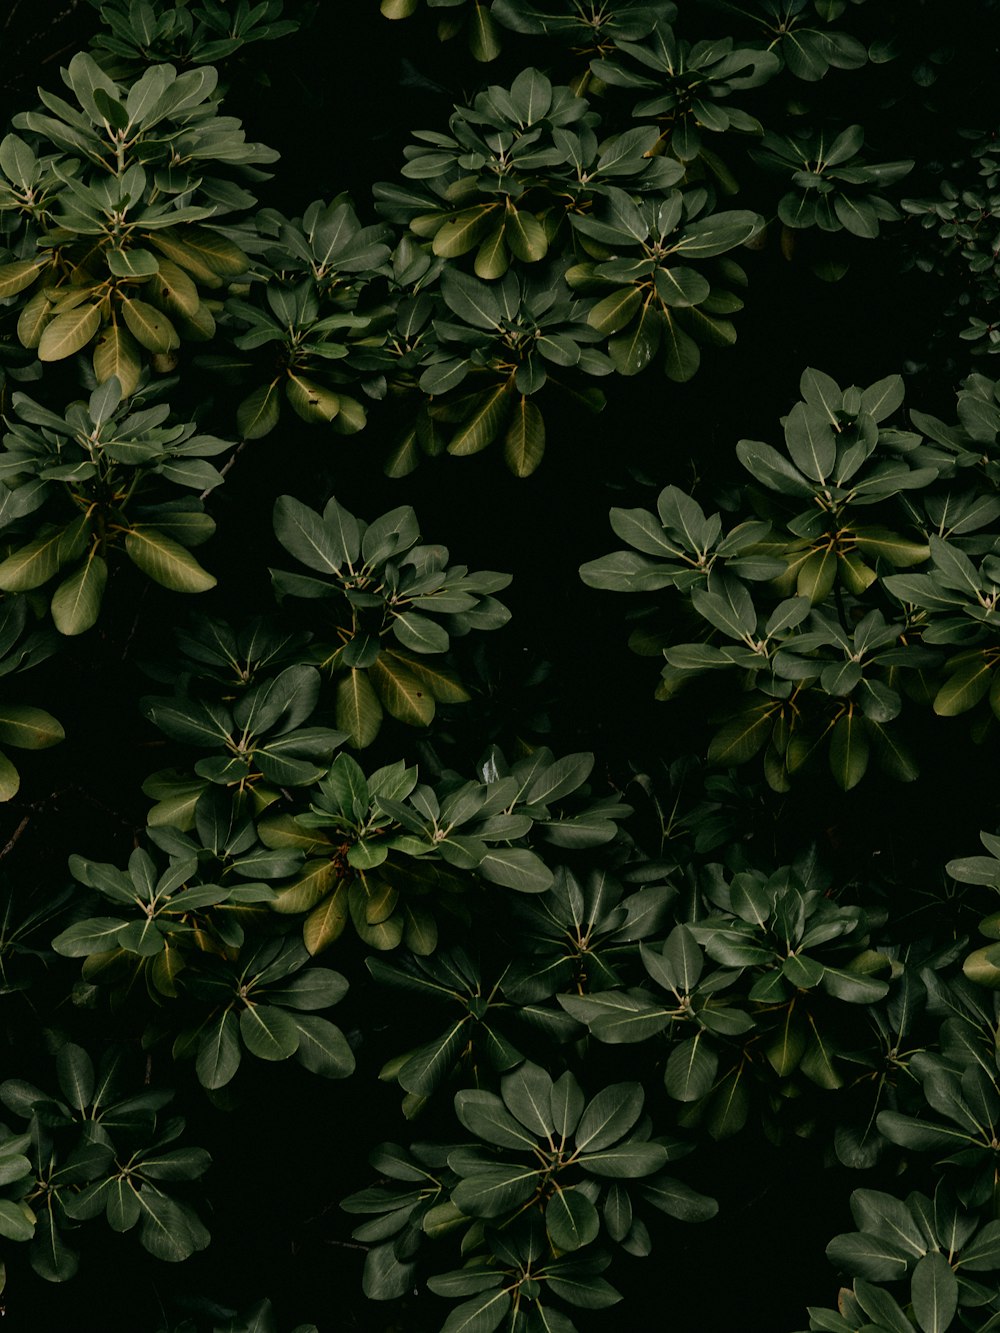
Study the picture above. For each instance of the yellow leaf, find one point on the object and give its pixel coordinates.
(402, 694)
(117, 353)
(326, 923)
(66, 334)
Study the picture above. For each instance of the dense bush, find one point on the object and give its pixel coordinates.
(368, 961)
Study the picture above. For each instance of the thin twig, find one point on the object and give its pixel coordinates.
(225, 467)
(15, 835)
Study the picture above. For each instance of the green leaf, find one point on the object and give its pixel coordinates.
(471, 300)
(609, 1116)
(34, 564)
(485, 422)
(419, 633)
(484, 1114)
(76, 603)
(148, 326)
(691, 1069)
(681, 286)
(881, 1307)
(268, 1032)
(483, 1314)
(626, 1161)
(28, 728)
(166, 561)
(75, 1071)
(496, 1188)
(515, 868)
(865, 1255)
(464, 231)
(16, 1222)
(524, 443)
(527, 1094)
(679, 1200)
(219, 1051)
(403, 695)
(326, 922)
(682, 355)
(615, 311)
(772, 469)
(849, 750)
(358, 711)
(525, 235)
(633, 350)
(168, 1230)
(68, 333)
(717, 234)
(934, 1292)
(812, 441)
(20, 275)
(964, 688)
(322, 1047)
(571, 1220)
(492, 257)
(259, 413)
(742, 737)
(319, 545)
(484, 40)
(97, 934)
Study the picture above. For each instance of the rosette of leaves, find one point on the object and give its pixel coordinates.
(691, 84)
(388, 846)
(260, 742)
(515, 163)
(812, 683)
(93, 1150)
(140, 34)
(841, 459)
(482, 1030)
(22, 726)
(318, 335)
(409, 1203)
(225, 841)
(591, 30)
(264, 1003)
(932, 1250)
(679, 546)
(954, 605)
(165, 918)
(542, 1145)
(833, 187)
(589, 1164)
(658, 297)
(87, 484)
(514, 1284)
(348, 875)
(116, 256)
(959, 1089)
(787, 948)
(581, 934)
(519, 336)
(473, 17)
(964, 241)
(956, 1111)
(389, 591)
(798, 33)
(231, 655)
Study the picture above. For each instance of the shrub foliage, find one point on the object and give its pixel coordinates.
(487, 961)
